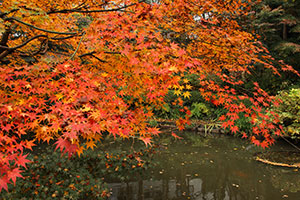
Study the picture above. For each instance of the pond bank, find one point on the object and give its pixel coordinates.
(202, 128)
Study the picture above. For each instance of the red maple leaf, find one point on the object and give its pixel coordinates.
(222, 118)
(66, 146)
(21, 161)
(61, 144)
(234, 129)
(13, 174)
(244, 135)
(255, 141)
(3, 182)
(264, 144)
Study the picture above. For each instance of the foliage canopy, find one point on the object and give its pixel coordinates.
(72, 71)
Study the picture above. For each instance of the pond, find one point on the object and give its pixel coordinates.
(210, 168)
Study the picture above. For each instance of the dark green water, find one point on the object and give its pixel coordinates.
(210, 169)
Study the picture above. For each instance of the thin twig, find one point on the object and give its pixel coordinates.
(112, 52)
(98, 59)
(77, 46)
(87, 54)
(290, 143)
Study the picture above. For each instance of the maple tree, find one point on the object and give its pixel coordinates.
(74, 70)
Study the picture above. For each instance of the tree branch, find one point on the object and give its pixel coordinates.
(2, 15)
(43, 48)
(23, 44)
(62, 38)
(5, 53)
(92, 11)
(37, 28)
(112, 52)
(5, 37)
(92, 54)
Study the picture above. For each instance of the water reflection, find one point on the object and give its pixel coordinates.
(220, 169)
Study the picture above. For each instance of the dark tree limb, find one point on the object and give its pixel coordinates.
(41, 50)
(5, 50)
(5, 53)
(112, 52)
(79, 10)
(2, 15)
(5, 37)
(40, 29)
(92, 55)
(23, 44)
(62, 38)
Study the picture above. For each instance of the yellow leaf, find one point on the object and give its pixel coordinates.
(185, 80)
(59, 96)
(186, 94)
(104, 74)
(85, 109)
(9, 108)
(21, 102)
(177, 92)
(173, 68)
(181, 87)
(28, 86)
(175, 87)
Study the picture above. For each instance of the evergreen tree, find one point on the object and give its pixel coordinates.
(278, 22)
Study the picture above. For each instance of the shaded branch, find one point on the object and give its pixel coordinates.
(5, 50)
(92, 11)
(4, 14)
(37, 28)
(98, 59)
(5, 53)
(23, 44)
(41, 50)
(112, 52)
(62, 38)
(5, 37)
(87, 54)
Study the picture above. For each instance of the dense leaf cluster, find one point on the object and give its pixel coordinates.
(75, 71)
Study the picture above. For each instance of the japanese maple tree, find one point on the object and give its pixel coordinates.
(73, 70)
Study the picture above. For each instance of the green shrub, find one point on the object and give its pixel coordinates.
(52, 176)
(200, 110)
(289, 112)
